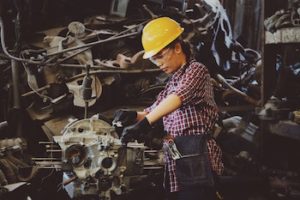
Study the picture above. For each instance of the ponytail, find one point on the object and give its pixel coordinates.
(186, 48)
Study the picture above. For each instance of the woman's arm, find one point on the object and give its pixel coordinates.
(166, 106)
(141, 115)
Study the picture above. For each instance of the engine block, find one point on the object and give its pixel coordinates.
(95, 160)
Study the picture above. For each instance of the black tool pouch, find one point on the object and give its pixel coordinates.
(194, 168)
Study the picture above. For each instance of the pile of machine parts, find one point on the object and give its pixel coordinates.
(91, 62)
(284, 18)
(280, 119)
(95, 162)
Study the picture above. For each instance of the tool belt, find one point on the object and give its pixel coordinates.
(193, 168)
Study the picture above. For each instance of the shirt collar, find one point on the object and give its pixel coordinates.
(181, 70)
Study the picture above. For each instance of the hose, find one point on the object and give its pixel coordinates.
(5, 50)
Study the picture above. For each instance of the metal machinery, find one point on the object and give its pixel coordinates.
(95, 162)
(86, 60)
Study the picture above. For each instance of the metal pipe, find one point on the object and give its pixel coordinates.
(53, 167)
(15, 80)
(149, 168)
(45, 159)
(71, 56)
(83, 50)
(93, 43)
(49, 162)
(244, 95)
(53, 150)
(5, 50)
(34, 92)
(151, 151)
(113, 71)
(104, 71)
(45, 142)
(16, 96)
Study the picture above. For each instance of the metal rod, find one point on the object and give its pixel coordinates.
(54, 167)
(37, 90)
(45, 142)
(52, 146)
(151, 151)
(93, 43)
(149, 168)
(70, 180)
(53, 150)
(16, 95)
(15, 80)
(114, 36)
(86, 107)
(71, 56)
(49, 163)
(113, 71)
(104, 71)
(45, 158)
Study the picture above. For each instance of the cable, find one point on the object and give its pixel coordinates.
(7, 53)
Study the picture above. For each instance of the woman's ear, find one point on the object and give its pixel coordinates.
(177, 48)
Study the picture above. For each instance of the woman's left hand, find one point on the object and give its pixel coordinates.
(136, 131)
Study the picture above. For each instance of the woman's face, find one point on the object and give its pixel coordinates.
(168, 60)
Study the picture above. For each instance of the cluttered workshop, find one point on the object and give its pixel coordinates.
(150, 99)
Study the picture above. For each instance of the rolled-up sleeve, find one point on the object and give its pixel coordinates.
(192, 84)
(150, 108)
(159, 98)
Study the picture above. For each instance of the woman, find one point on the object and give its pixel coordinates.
(186, 105)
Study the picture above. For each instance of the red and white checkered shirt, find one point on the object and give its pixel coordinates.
(197, 114)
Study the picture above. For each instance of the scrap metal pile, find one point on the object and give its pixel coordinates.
(94, 64)
(96, 163)
(284, 18)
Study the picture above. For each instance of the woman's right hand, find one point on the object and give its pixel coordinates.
(123, 118)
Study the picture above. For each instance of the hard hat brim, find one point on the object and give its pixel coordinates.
(149, 54)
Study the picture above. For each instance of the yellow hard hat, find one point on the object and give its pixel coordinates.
(158, 33)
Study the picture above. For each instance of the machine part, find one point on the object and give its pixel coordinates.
(13, 143)
(16, 111)
(96, 157)
(236, 91)
(296, 116)
(286, 128)
(77, 29)
(58, 44)
(87, 90)
(3, 180)
(25, 178)
(274, 109)
(119, 7)
(92, 44)
(76, 88)
(295, 17)
(237, 125)
(9, 173)
(76, 155)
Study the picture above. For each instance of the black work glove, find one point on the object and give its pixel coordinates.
(136, 131)
(124, 118)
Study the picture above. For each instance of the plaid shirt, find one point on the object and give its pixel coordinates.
(197, 115)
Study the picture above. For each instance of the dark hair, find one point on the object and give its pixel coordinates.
(186, 48)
